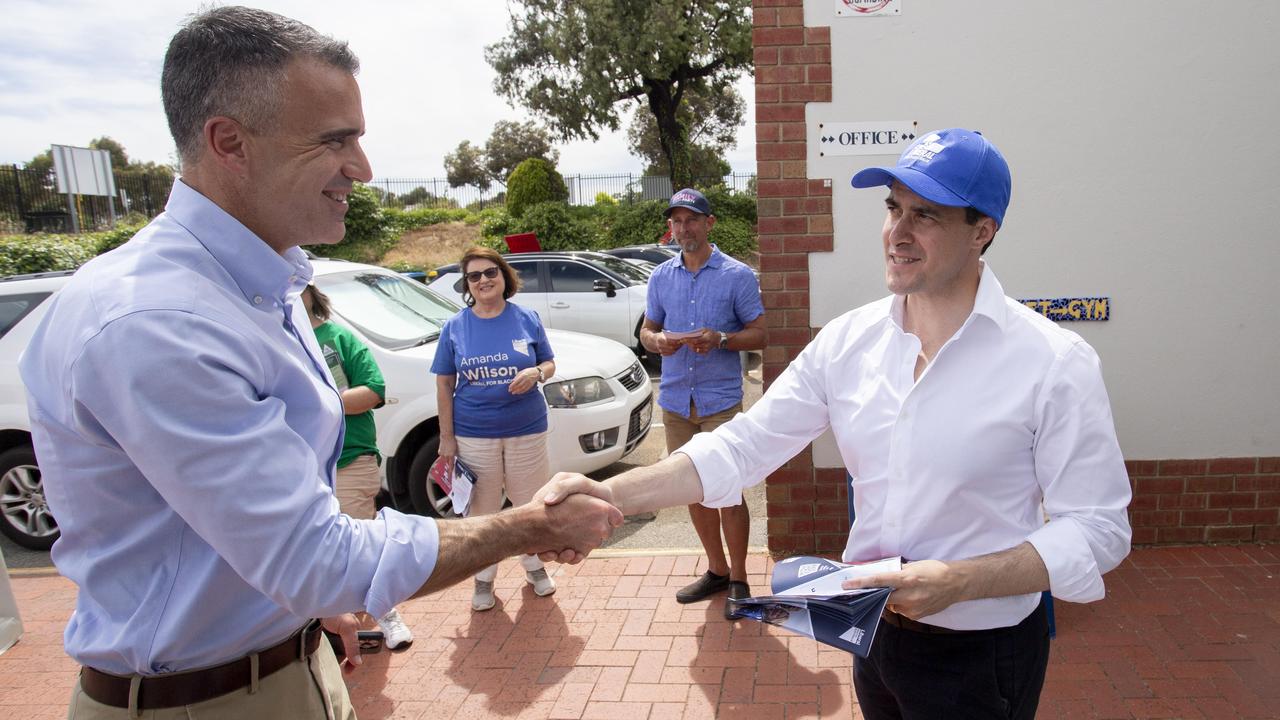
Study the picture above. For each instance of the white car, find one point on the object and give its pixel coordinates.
(600, 399)
(584, 291)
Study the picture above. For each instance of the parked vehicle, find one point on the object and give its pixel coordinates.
(583, 291)
(600, 399)
(24, 516)
(653, 252)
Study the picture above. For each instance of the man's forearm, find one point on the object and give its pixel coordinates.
(1016, 571)
(670, 482)
(468, 545)
(747, 339)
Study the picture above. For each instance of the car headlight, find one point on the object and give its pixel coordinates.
(574, 393)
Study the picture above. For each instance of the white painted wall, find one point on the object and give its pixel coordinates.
(1144, 142)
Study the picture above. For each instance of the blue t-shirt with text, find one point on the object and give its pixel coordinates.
(486, 354)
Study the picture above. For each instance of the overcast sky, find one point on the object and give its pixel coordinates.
(74, 70)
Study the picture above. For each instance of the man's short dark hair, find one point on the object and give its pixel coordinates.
(971, 216)
(230, 61)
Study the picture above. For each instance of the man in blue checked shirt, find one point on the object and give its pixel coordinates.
(703, 308)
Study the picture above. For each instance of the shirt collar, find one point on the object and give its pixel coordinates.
(988, 302)
(259, 272)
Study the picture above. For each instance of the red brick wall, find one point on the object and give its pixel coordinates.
(807, 508)
(1175, 501)
(1199, 501)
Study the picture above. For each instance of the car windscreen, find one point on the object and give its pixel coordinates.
(389, 309)
(618, 266)
(15, 307)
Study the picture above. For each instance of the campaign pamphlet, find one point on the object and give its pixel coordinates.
(807, 599)
(451, 475)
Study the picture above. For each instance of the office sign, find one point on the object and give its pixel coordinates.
(883, 137)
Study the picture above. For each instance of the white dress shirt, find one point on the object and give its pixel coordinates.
(1009, 423)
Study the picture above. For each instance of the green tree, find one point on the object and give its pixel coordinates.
(465, 166)
(574, 63)
(534, 181)
(119, 158)
(712, 121)
(510, 143)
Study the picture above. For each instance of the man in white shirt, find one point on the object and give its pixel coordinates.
(964, 419)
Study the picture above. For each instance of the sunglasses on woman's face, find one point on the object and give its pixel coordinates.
(475, 275)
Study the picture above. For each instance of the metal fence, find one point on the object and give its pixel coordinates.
(30, 201)
(583, 190)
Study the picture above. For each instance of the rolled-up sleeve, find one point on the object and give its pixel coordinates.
(192, 415)
(745, 450)
(1081, 472)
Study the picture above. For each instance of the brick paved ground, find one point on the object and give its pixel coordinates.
(1184, 633)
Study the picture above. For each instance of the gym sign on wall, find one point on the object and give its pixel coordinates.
(886, 137)
(1067, 309)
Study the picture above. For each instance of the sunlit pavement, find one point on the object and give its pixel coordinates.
(1189, 632)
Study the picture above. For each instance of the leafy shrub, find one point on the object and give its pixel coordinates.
(22, 254)
(734, 236)
(401, 221)
(637, 224)
(604, 198)
(111, 239)
(495, 222)
(369, 231)
(557, 226)
(534, 181)
(726, 204)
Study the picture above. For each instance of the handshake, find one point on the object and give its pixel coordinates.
(570, 516)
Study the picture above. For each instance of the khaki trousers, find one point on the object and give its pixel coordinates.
(357, 485)
(519, 465)
(301, 690)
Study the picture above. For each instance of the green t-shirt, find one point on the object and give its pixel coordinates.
(352, 365)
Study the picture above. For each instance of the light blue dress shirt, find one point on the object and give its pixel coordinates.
(187, 434)
(724, 296)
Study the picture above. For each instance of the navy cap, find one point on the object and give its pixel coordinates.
(953, 167)
(691, 199)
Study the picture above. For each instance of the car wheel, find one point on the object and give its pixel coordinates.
(426, 497)
(24, 514)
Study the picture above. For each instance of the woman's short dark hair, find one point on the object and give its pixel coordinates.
(320, 305)
(510, 280)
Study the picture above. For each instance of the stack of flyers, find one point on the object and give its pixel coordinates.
(807, 599)
(455, 479)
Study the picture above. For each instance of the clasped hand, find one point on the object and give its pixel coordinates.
(584, 508)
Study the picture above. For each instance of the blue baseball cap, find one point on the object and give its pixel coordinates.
(953, 167)
(690, 199)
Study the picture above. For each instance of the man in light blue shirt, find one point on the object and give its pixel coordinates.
(187, 428)
(703, 308)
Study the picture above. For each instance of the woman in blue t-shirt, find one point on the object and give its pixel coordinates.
(490, 359)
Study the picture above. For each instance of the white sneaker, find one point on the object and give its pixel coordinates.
(542, 584)
(483, 598)
(395, 633)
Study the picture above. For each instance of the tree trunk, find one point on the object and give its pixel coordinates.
(663, 103)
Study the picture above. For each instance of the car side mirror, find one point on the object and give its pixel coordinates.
(460, 284)
(605, 286)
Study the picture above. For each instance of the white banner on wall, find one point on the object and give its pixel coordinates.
(882, 137)
(868, 8)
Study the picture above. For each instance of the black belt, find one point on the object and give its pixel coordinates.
(195, 686)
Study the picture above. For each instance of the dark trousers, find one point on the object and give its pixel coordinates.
(913, 675)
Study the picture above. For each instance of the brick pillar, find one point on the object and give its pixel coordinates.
(807, 509)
